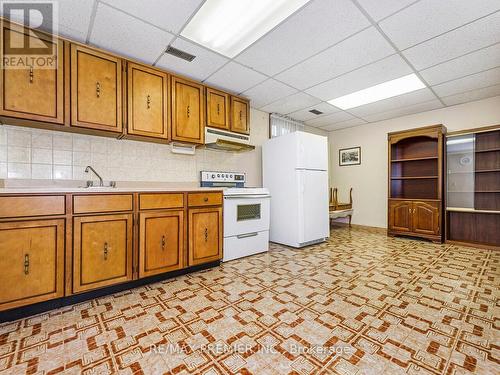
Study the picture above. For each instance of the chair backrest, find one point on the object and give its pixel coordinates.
(334, 202)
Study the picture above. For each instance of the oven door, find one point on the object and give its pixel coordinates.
(246, 214)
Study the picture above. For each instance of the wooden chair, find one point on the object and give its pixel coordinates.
(338, 209)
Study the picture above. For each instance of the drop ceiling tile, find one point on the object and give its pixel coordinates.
(291, 103)
(204, 64)
(479, 34)
(235, 77)
(170, 15)
(403, 111)
(473, 62)
(72, 18)
(125, 35)
(429, 18)
(268, 92)
(391, 67)
(344, 124)
(304, 114)
(320, 24)
(379, 9)
(471, 82)
(470, 96)
(415, 97)
(358, 50)
(330, 119)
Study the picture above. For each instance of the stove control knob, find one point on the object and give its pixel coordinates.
(231, 176)
(213, 176)
(218, 175)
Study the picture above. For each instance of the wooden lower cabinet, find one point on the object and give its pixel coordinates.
(31, 262)
(205, 235)
(419, 218)
(102, 251)
(161, 242)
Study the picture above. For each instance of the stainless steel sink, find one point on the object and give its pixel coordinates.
(97, 185)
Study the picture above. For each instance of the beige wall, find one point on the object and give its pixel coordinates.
(42, 154)
(369, 180)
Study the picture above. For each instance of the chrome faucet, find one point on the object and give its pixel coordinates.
(101, 183)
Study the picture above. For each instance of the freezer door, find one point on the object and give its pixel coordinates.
(312, 151)
(313, 205)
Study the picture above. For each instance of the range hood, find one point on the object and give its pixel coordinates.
(222, 140)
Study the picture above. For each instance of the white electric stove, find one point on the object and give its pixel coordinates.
(246, 214)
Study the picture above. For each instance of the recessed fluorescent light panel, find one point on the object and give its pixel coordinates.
(230, 26)
(382, 91)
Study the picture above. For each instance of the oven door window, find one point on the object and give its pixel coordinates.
(248, 212)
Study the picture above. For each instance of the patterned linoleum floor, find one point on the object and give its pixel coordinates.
(360, 304)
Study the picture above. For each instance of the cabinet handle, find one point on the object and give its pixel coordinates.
(206, 234)
(218, 108)
(26, 264)
(205, 199)
(31, 74)
(98, 89)
(188, 110)
(105, 251)
(163, 242)
(148, 101)
(240, 115)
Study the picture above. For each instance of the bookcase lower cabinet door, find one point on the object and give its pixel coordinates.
(31, 262)
(205, 235)
(426, 218)
(102, 251)
(400, 216)
(161, 242)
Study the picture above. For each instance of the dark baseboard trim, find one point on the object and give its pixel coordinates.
(38, 308)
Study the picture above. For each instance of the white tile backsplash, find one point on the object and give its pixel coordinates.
(46, 154)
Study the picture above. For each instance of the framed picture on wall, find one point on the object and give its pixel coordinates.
(350, 156)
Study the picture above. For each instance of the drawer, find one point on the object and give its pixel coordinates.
(204, 199)
(245, 245)
(161, 200)
(34, 205)
(83, 204)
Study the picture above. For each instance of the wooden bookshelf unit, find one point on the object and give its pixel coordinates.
(473, 191)
(415, 182)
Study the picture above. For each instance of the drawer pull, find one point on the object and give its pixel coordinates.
(98, 89)
(163, 242)
(105, 251)
(205, 199)
(31, 74)
(26, 264)
(148, 101)
(206, 234)
(246, 235)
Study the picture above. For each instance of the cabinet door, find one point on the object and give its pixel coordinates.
(217, 109)
(161, 242)
(205, 235)
(426, 217)
(147, 102)
(102, 251)
(31, 262)
(33, 92)
(400, 216)
(187, 111)
(239, 116)
(96, 90)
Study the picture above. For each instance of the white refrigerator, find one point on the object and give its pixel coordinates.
(295, 170)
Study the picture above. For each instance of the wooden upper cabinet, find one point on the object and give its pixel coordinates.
(217, 109)
(147, 95)
(32, 92)
(96, 90)
(161, 242)
(400, 216)
(31, 262)
(205, 235)
(426, 217)
(188, 111)
(102, 251)
(240, 116)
